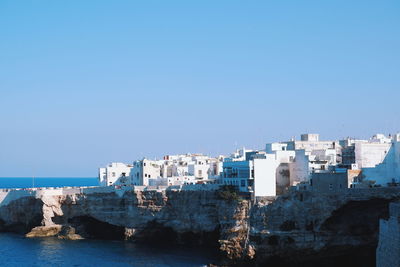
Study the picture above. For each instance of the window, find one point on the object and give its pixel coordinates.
(243, 183)
(145, 175)
(113, 174)
(200, 173)
(149, 176)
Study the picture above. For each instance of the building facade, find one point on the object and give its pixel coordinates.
(254, 173)
(388, 171)
(171, 170)
(115, 173)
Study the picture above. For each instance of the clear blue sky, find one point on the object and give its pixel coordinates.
(84, 83)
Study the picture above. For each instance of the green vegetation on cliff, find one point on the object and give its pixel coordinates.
(229, 193)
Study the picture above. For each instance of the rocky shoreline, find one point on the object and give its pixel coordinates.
(296, 229)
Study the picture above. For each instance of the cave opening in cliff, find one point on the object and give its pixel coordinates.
(203, 239)
(358, 218)
(90, 227)
(158, 234)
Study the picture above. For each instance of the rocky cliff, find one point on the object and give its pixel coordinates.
(300, 228)
(311, 229)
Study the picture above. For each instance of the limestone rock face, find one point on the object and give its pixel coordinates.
(294, 226)
(339, 228)
(51, 208)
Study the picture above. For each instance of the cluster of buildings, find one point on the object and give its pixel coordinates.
(171, 170)
(306, 164)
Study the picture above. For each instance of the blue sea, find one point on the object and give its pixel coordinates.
(27, 182)
(16, 250)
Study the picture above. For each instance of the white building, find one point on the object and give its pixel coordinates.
(256, 175)
(306, 162)
(283, 159)
(216, 167)
(298, 159)
(145, 169)
(200, 166)
(175, 180)
(368, 155)
(310, 142)
(268, 172)
(115, 173)
(199, 169)
(241, 154)
(176, 170)
(301, 158)
(387, 171)
(365, 153)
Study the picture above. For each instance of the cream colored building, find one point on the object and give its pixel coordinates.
(115, 173)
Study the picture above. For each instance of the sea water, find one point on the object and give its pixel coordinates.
(16, 250)
(27, 182)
